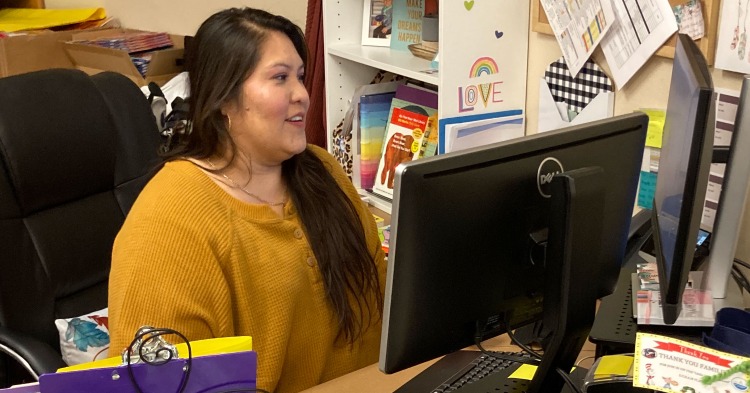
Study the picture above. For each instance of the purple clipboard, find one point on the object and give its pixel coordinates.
(212, 373)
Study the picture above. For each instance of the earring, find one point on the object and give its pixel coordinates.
(229, 123)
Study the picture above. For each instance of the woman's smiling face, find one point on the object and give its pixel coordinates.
(268, 121)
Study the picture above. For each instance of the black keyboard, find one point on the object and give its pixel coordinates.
(459, 369)
(482, 366)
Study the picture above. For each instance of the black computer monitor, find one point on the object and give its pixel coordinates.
(684, 167)
(468, 229)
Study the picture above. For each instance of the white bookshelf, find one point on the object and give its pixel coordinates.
(467, 35)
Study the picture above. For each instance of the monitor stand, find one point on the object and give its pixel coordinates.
(570, 298)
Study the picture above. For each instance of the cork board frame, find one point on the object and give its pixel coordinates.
(707, 44)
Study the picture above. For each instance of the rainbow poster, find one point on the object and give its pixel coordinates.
(483, 66)
(483, 62)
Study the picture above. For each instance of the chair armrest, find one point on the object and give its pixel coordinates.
(35, 356)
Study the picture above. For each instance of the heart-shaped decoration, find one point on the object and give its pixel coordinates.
(498, 34)
(468, 5)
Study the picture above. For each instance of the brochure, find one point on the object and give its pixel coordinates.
(666, 364)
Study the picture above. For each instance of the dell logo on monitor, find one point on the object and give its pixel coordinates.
(549, 167)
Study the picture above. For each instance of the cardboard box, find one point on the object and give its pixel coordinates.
(33, 52)
(165, 63)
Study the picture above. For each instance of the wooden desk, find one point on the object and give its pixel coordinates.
(371, 380)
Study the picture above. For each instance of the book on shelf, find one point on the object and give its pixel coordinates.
(352, 126)
(418, 95)
(373, 118)
(403, 140)
(406, 27)
(428, 100)
(412, 106)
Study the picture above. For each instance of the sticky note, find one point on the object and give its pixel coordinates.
(379, 221)
(646, 189)
(613, 365)
(655, 127)
(526, 371)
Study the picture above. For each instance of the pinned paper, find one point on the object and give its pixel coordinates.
(690, 19)
(646, 190)
(565, 100)
(655, 126)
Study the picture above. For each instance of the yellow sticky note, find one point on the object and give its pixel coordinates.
(655, 126)
(526, 371)
(613, 365)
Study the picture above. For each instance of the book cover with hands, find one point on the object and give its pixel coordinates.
(403, 140)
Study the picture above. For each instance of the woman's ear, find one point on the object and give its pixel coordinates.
(228, 108)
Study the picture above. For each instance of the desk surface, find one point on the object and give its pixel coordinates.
(371, 380)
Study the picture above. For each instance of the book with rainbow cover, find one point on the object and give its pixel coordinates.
(373, 118)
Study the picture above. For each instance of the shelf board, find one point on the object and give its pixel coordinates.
(403, 63)
(376, 201)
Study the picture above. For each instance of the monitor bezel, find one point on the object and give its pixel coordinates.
(531, 145)
(672, 279)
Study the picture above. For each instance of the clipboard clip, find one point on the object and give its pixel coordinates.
(149, 346)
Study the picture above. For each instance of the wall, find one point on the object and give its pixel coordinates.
(180, 16)
(649, 88)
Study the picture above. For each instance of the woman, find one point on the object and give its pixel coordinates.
(247, 230)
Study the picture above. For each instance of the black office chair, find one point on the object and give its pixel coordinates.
(75, 151)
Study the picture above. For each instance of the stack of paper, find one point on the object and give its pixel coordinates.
(133, 42)
(697, 304)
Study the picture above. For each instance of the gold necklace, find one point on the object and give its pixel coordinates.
(243, 189)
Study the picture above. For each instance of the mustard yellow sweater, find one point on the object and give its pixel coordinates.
(192, 258)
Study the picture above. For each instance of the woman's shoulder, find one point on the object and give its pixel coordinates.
(178, 186)
(327, 158)
(335, 169)
(320, 152)
(176, 177)
(179, 202)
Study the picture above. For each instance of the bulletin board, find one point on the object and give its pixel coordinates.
(707, 44)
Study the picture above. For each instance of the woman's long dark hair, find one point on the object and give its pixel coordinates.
(224, 52)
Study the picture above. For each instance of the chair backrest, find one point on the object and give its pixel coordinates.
(75, 151)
